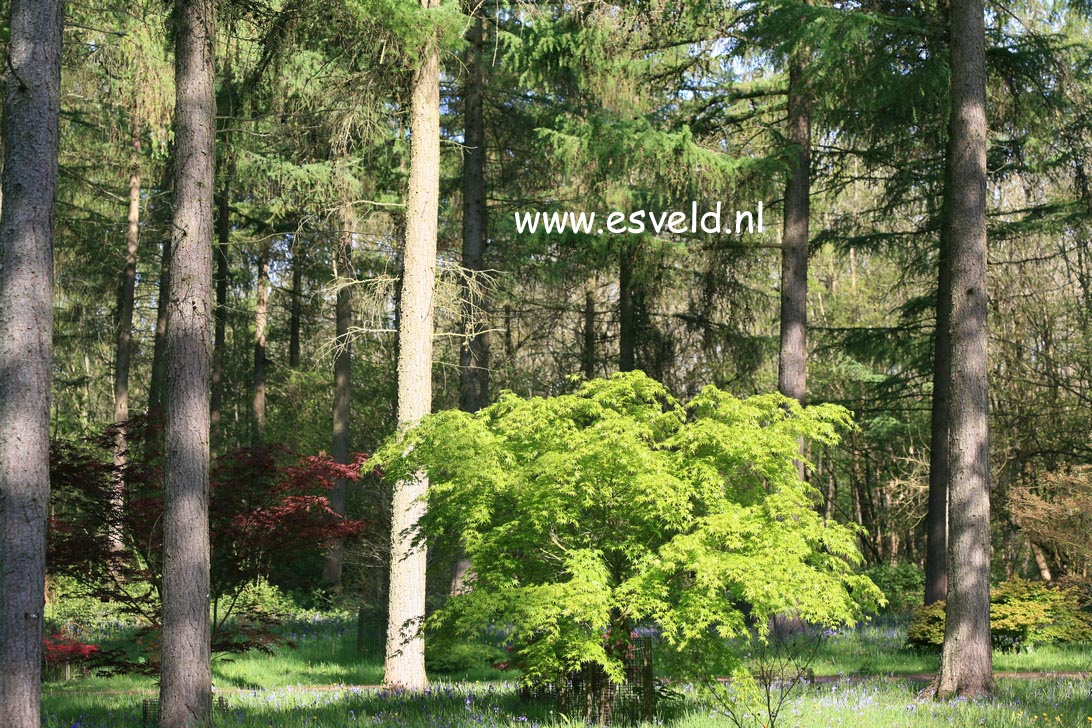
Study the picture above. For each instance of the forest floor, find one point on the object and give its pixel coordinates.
(864, 677)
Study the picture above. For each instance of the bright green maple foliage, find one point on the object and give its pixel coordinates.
(589, 513)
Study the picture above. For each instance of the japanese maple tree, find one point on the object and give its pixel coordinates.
(267, 506)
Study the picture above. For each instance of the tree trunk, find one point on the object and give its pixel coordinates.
(159, 351)
(343, 367)
(223, 272)
(30, 134)
(966, 666)
(587, 353)
(261, 318)
(1041, 563)
(185, 691)
(124, 341)
(793, 349)
(474, 353)
(627, 310)
(405, 655)
(936, 520)
(296, 310)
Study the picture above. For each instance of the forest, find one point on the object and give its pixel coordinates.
(515, 362)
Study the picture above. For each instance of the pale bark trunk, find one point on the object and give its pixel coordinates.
(30, 134)
(157, 387)
(185, 690)
(1042, 563)
(474, 354)
(966, 666)
(343, 368)
(405, 654)
(124, 341)
(223, 272)
(261, 319)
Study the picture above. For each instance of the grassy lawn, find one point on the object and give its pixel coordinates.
(879, 648)
(317, 685)
(874, 703)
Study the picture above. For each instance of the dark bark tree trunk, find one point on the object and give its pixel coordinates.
(966, 666)
(793, 349)
(123, 348)
(343, 367)
(405, 654)
(223, 273)
(225, 171)
(296, 306)
(159, 218)
(627, 309)
(30, 135)
(936, 519)
(261, 319)
(474, 353)
(185, 691)
(587, 353)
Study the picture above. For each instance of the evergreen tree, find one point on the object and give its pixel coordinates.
(185, 691)
(405, 653)
(966, 665)
(30, 138)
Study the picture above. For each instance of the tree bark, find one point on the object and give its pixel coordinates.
(1041, 562)
(223, 273)
(966, 666)
(627, 309)
(405, 654)
(936, 520)
(474, 353)
(185, 692)
(793, 348)
(587, 353)
(29, 183)
(261, 319)
(296, 309)
(344, 274)
(219, 346)
(159, 351)
(124, 341)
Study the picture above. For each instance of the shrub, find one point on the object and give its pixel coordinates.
(586, 514)
(1022, 613)
(70, 611)
(903, 585)
(927, 626)
(267, 506)
(60, 652)
(448, 656)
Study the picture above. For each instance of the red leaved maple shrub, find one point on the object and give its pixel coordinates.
(267, 506)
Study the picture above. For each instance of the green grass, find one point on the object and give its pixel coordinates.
(316, 652)
(875, 703)
(880, 648)
(283, 690)
(325, 659)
